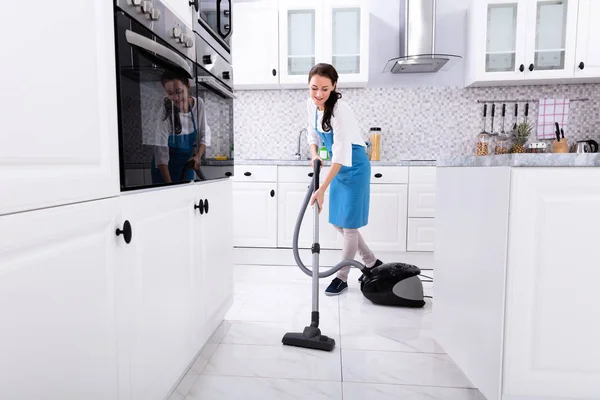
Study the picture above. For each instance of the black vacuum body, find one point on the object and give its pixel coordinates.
(394, 284)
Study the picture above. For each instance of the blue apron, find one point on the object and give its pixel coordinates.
(349, 192)
(181, 149)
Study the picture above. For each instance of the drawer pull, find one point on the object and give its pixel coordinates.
(378, 175)
(200, 206)
(247, 173)
(272, 193)
(311, 174)
(228, 174)
(126, 232)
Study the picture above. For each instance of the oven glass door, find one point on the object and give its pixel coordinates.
(215, 102)
(159, 134)
(216, 15)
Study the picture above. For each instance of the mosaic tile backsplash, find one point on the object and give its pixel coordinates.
(425, 123)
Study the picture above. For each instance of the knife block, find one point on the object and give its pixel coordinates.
(560, 147)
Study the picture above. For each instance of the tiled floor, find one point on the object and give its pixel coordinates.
(381, 352)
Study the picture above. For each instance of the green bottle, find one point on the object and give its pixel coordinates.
(323, 153)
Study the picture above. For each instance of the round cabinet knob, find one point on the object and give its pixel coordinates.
(207, 59)
(146, 7)
(531, 67)
(581, 65)
(126, 232)
(183, 38)
(226, 75)
(176, 32)
(522, 68)
(189, 42)
(155, 14)
(200, 206)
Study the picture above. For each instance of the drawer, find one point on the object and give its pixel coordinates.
(298, 174)
(422, 174)
(255, 173)
(421, 200)
(389, 174)
(420, 234)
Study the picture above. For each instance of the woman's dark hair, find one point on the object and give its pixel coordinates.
(327, 71)
(171, 111)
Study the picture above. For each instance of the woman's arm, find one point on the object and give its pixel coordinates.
(164, 172)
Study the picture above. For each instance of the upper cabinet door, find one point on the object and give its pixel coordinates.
(551, 38)
(346, 39)
(255, 45)
(300, 40)
(59, 132)
(587, 59)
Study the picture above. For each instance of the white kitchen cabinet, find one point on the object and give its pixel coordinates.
(346, 44)
(217, 258)
(183, 9)
(58, 270)
(421, 233)
(522, 41)
(255, 45)
(587, 58)
(421, 192)
(159, 266)
(62, 150)
(254, 214)
(289, 201)
(386, 230)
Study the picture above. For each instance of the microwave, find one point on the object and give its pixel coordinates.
(212, 21)
(175, 111)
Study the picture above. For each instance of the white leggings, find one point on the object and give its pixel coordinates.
(354, 241)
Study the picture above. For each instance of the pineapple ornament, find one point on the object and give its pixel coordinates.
(520, 137)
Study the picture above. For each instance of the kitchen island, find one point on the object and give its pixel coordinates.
(517, 305)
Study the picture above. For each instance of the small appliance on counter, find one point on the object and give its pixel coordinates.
(586, 146)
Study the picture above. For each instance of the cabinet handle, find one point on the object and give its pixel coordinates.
(274, 72)
(195, 4)
(522, 68)
(205, 206)
(247, 173)
(272, 193)
(228, 174)
(531, 67)
(581, 65)
(378, 175)
(200, 206)
(311, 174)
(126, 232)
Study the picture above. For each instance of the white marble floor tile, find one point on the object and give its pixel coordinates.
(402, 368)
(184, 387)
(203, 358)
(212, 387)
(363, 391)
(275, 362)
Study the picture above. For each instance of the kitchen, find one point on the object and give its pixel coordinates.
(108, 287)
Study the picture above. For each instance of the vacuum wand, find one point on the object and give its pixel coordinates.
(316, 250)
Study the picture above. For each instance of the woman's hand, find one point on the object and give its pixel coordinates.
(312, 162)
(319, 197)
(196, 159)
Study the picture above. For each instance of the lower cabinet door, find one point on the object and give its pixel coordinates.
(58, 337)
(290, 198)
(386, 230)
(254, 214)
(420, 234)
(156, 296)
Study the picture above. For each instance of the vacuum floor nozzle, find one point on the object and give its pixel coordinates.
(311, 338)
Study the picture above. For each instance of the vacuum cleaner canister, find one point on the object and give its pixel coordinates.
(394, 284)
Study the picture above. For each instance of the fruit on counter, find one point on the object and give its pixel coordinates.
(520, 137)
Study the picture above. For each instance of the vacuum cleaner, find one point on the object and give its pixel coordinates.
(394, 284)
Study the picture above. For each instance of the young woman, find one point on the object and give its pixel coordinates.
(181, 134)
(332, 121)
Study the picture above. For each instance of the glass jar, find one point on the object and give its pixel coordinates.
(501, 144)
(375, 138)
(483, 144)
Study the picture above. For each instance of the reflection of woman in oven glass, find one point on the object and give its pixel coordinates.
(181, 133)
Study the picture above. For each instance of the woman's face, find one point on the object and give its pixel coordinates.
(320, 89)
(177, 92)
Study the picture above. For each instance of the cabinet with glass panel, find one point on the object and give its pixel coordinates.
(308, 32)
(524, 41)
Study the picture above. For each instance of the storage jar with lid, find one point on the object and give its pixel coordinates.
(375, 135)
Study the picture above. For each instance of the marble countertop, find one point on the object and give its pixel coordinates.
(217, 163)
(525, 160)
(400, 163)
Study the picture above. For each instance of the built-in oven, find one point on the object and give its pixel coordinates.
(171, 122)
(212, 21)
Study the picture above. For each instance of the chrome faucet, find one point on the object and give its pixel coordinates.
(298, 155)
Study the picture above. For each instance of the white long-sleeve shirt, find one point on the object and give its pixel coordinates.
(345, 130)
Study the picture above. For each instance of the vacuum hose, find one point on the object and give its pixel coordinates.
(314, 185)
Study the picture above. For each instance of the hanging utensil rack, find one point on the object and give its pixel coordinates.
(524, 100)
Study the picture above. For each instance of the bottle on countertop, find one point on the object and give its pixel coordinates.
(375, 135)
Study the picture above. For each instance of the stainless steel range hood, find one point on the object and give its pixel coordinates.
(417, 41)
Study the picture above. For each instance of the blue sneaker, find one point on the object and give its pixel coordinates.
(377, 264)
(336, 287)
